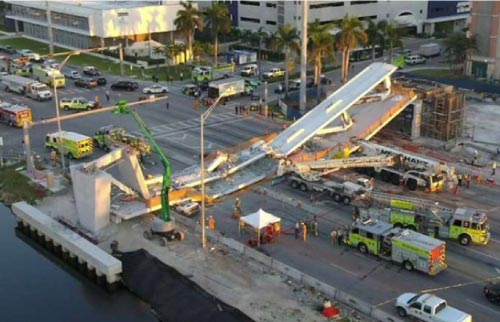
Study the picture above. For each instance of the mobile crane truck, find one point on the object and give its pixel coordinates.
(464, 225)
(307, 176)
(164, 226)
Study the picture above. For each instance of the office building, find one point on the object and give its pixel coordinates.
(86, 24)
(485, 26)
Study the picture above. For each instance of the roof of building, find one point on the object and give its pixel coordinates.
(83, 8)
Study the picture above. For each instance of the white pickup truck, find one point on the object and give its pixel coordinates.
(274, 72)
(429, 308)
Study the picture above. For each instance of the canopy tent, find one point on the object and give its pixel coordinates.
(258, 220)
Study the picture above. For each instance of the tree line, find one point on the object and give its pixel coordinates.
(324, 40)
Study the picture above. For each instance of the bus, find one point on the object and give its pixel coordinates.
(365, 53)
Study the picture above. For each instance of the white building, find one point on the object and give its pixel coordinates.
(86, 24)
(417, 15)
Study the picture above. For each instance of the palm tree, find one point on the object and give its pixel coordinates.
(458, 48)
(392, 38)
(321, 44)
(286, 39)
(187, 21)
(351, 36)
(217, 19)
(376, 35)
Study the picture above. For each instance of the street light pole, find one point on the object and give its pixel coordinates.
(203, 117)
(59, 67)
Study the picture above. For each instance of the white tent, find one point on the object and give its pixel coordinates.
(259, 220)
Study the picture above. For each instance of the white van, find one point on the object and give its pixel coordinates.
(249, 70)
(414, 60)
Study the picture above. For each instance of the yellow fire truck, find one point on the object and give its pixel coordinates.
(413, 250)
(464, 225)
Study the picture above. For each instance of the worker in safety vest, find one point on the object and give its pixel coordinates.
(304, 232)
(211, 223)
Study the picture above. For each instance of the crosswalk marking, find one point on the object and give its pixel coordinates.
(165, 129)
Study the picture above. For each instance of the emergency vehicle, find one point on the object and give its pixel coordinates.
(74, 145)
(15, 115)
(49, 75)
(413, 250)
(464, 225)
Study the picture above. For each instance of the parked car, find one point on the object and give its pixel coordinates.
(252, 82)
(77, 103)
(30, 54)
(125, 85)
(51, 63)
(414, 60)
(101, 81)
(2, 74)
(72, 74)
(86, 83)
(324, 80)
(91, 71)
(430, 308)
(492, 292)
(187, 208)
(274, 72)
(155, 89)
(8, 49)
(249, 70)
(190, 89)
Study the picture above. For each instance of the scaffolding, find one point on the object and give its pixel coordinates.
(443, 116)
(442, 108)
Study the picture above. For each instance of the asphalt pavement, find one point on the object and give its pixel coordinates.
(177, 130)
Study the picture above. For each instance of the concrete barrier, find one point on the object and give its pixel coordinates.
(258, 256)
(354, 302)
(288, 271)
(382, 316)
(70, 242)
(329, 290)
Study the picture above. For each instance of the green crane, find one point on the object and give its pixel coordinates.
(165, 225)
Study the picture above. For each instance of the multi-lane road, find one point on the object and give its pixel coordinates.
(375, 281)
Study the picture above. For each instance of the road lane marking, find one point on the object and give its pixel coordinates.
(483, 307)
(344, 269)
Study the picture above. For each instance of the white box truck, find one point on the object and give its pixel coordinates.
(26, 86)
(430, 50)
(227, 87)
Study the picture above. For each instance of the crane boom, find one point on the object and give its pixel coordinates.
(165, 211)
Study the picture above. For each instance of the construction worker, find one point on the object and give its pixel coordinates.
(333, 236)
(493, 168)
(53, 156)
(297, 227)
(211, 223)
(315, 226)
(304, 232)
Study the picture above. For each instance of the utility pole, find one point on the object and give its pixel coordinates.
(49, 28)
(303, 57)
(120, 49)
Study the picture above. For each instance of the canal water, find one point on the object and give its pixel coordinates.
(37, 287)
